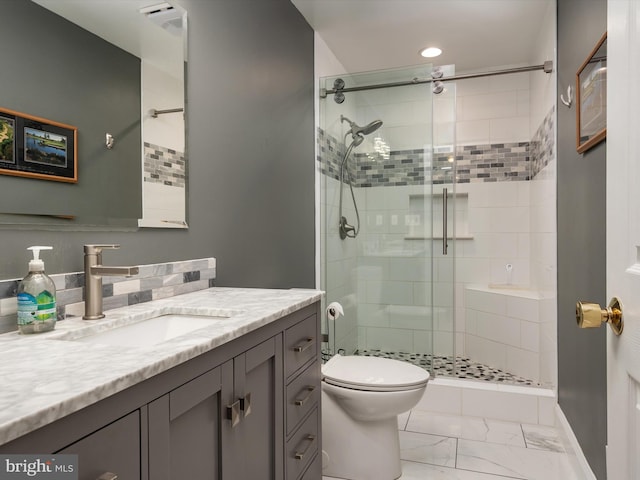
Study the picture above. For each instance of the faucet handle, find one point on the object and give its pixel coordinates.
(94, 249)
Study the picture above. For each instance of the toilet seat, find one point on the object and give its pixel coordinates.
(373, 374)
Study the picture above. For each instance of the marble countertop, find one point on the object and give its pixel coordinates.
(47, 376)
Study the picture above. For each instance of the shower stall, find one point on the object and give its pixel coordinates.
(400, 239)
(393, 273)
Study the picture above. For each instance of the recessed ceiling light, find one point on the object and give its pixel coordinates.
(430, 52)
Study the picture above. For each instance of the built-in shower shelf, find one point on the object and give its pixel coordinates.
(426, 214)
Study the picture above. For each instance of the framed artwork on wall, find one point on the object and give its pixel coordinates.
(591, 98)
(35, 147)
(7, 140)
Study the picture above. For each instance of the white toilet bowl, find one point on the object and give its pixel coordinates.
(361, 400)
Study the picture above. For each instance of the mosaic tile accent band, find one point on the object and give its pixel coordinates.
(153, 282)
(542, 144)
(164, 165)
(499, 162)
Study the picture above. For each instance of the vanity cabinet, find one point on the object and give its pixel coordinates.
(209, 426)
(248, 409)
(114, 448)
(184, 430)
(253, 426)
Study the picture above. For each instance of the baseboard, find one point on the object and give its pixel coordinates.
(572, 447)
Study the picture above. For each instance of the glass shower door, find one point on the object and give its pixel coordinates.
(392, 280)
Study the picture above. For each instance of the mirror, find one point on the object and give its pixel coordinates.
(116, 72)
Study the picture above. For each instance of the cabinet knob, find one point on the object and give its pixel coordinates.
(108, 476)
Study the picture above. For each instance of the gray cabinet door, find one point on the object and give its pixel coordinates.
(114, 448)
(253, 448)
(184, 430)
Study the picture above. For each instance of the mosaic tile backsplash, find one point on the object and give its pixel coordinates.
(153, 282)
(520, 161)
(164, 165)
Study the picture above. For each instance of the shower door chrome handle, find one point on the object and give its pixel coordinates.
(445, 193)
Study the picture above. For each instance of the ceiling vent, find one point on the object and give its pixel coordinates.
(165, 16)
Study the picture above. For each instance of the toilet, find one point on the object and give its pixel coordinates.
(361, 400)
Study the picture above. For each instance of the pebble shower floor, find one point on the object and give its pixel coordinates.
(444, 365)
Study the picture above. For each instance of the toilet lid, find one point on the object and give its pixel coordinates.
(373, 373)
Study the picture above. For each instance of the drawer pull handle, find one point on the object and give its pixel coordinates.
(302, 347)
(302, 400)
(245, 404)
(108, 476)
(233, 413)
(310, 439)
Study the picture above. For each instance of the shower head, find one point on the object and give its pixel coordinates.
(358, 131)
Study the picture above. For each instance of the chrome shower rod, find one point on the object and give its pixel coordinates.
(546, 66)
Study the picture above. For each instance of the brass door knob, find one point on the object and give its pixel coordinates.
(591, 315)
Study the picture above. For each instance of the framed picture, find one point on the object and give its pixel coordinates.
(591, 98)
(35, 147)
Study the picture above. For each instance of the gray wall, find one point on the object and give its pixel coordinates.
(582, 387)
(53, 69)
(250, 145)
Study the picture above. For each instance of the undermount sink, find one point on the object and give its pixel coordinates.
(151, 331)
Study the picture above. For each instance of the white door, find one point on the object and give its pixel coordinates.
(623, 237)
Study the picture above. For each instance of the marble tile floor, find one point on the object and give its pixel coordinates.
(452, 447)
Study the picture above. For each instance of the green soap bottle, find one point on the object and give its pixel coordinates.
(36, 297)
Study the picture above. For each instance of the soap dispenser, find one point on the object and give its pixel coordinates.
(36, 297)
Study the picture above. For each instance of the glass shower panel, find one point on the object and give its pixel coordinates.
(385, 277)
(449, 208)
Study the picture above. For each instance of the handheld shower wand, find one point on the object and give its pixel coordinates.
(357, 137)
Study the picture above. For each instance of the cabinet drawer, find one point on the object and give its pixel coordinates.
(303, 447)
(314, 472)
(301, 344)
(302, 395)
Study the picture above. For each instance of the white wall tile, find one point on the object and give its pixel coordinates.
(389, 339)
(523, 102)
(422, 341)
(520, 273)
(486, 302)
(512, 129)
(512, 81)
(490, 105)
(486, 351)
(473, 132)
(472, 86)
(530, 336)
(523, 363)
(8, 306)
(497, 328)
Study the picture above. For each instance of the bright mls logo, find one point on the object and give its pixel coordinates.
(50, 467)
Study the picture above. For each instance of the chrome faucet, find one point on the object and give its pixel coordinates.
(93, 273)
